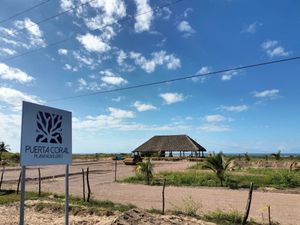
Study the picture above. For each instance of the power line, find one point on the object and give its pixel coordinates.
(24, 11)
(14, 32)
(71, 36)
(178, 78)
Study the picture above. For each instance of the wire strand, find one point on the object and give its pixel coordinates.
(73, 35)
(178, 79)
(24, 11)
(14, 32)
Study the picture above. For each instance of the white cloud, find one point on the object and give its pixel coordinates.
(112, 79)
(170, 61)
(269, 44)
(110, 8)
(187, 12)
(82, 82)
(12, 73)
(81, 58)
(117, 99)
(107, 14)
(141, 107)
(273, 93)
(186, 28)
(93, 43)
(272, 49)
(171, 98)
(35, 34)
(7, 31)
(10, 129)
(8, 51)
(143, 21)
(121, 57)
(84, 85)
(252, 28)
(214, 128)
(214, 118)
(116, 119)
(203, 70)
(62, 51)
(120, 113)
(10, 42)
(14, 98)
(234, 108)
(70, 68)
(228, 75)
(66, 4)
(167, 13)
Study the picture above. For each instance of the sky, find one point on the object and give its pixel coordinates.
(121, 43)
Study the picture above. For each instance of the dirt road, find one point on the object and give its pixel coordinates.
(285, 208)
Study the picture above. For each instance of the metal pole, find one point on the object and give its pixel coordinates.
(23, 171)
(116, 163)
(67, 195)
(40, 188)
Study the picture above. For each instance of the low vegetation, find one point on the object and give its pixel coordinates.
(56, 203)
(145, 171)
(228, 218)
(218, 164)
(280, 178)
(189, 207)
(10, 196)
(214, 172)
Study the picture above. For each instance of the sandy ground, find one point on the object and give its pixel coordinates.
(285, 207)
(131, 217)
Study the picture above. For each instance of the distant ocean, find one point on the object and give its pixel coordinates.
(242, 154)
(263, 154)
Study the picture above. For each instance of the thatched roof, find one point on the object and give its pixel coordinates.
(170, 143)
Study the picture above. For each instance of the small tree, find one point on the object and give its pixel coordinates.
(218, 165)
(3, 148)
(277, 155)
(145, 169)
(247, 158)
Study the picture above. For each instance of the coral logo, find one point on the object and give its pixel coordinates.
(48, 128)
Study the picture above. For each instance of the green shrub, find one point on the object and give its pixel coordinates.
(224, 218)
(285, 179)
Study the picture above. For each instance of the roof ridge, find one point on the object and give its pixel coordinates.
(191, 140)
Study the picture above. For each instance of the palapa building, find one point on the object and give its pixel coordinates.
(168, 144)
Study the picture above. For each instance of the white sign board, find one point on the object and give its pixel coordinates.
(46, 137)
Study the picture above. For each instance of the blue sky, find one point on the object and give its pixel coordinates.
(253, 110)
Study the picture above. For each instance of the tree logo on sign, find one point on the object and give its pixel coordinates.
(48, 128)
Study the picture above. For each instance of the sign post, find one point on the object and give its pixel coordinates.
(46, 139)
(67, 196)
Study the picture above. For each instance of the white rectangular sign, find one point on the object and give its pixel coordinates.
(46, 137)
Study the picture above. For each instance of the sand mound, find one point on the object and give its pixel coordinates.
(140, 217)
(9, 215)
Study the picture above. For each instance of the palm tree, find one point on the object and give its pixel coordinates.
(3, 148)
(145, 169)
(218, 165)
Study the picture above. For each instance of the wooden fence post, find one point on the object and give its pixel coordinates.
(19, 180)
(40, 179)
(247, 209)
(269, 215)
(88, 185)
(2, 174)
(163, 197)
(83, 185)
